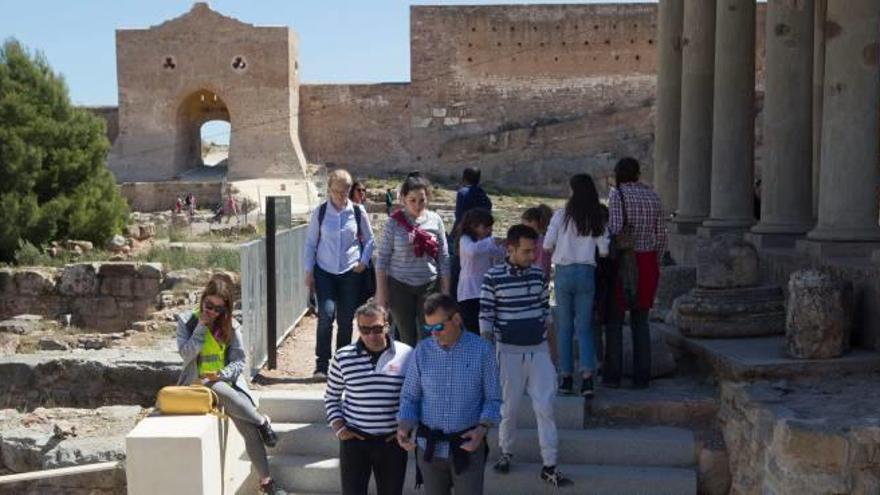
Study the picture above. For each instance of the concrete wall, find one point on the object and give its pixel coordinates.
(110, 115)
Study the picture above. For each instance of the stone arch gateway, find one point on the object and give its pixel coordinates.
(204, 66)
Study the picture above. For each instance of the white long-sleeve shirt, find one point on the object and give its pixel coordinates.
(476, 259)
(568, 247)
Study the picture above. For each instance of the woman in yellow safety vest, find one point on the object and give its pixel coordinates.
(210, 342)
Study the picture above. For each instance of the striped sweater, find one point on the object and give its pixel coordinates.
(515, 304)
(365, 397)
(396, 256)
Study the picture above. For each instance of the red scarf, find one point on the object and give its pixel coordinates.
(422, 241)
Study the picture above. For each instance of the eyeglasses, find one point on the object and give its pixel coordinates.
(437, 327)
(220, 310)
(372, 330)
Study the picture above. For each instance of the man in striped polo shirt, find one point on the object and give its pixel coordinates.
(362, 399)
(514, 313)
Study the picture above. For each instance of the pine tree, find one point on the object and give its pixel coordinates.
(54, 183)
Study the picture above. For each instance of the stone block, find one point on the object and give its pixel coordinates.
(185, 449)
(34, 282)
(95, 306)
(78, 280)
(819, 316)
(675, 281)
(741, 312)
(146, 288)
(714, 472)
(9, 344)
(118, 270)
(52, 344)
(726, 262)
(150, 270)
(7, 282)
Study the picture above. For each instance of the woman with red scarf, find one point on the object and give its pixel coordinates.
(413, 259)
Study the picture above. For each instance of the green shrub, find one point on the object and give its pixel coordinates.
(53, 180)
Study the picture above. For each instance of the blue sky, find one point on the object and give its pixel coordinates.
(340, 40)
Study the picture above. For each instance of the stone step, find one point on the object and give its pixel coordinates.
(650, 446)
(321, 475)
(668, 401)
(307, 406)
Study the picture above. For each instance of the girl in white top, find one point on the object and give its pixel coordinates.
(574, 234)
(478, 251)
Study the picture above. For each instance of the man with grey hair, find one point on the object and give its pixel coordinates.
(362, 399)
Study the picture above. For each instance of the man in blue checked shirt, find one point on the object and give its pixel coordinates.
(451, 397)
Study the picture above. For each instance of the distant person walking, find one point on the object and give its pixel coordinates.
(469, 196)
(639, 229)
(413, 259)
(450, 399)
(210, 343)
(190, 204)
(574, 236)
(389, 201)
(339, 244)
(362, 400)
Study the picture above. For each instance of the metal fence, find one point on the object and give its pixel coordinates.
(291, 292)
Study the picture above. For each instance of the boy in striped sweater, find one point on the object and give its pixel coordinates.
(514, 313)
(362, 399)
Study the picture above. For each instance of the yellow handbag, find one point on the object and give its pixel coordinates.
(188, 399)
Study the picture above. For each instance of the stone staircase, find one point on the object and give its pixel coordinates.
(651, 458)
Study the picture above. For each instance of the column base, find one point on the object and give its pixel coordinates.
(836, 249)
(845, 235)
(769, 240)
(685, 225)
(796, 229)
(706, 231)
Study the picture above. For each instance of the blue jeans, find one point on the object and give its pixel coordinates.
(575, 289)
(338, 297)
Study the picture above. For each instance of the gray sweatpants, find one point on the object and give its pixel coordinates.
(246, 418)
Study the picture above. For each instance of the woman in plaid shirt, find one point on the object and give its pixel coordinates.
(644, 213)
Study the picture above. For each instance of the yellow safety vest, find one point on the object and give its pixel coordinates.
(212, 357)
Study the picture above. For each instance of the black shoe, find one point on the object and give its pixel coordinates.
(502, 465)
(587, 387)
(267, 434)
(553, 476)
(270, 489)
(565, 385)
(320, 375)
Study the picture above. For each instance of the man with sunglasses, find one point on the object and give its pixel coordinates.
(362, 399)
(451, 397)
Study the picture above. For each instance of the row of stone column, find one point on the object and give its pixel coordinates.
(821, 125)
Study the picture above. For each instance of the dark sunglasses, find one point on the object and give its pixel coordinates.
(220, 310)
(437, 327)
(374, 330)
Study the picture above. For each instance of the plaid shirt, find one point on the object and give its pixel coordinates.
(643, 212)
(451, 389)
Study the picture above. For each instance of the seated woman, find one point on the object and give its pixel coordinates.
(210, 343)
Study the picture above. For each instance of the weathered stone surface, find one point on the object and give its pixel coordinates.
(79, 279)
(117, 244)
(18, 327)
(726, 262)
(60, 437)
(675, 281)
(34, 281)
(662, 360)
(741, 312)
(714, 474)
(81, 378)
(819, 315)
(808, 437)
(83, 246)
(8, 344)
(186, 278)
(52, 344)
(7, 283)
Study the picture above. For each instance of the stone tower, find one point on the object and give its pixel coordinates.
(204, 66)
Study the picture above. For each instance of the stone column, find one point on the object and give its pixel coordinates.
(821, 6)
(848, 200)
(786, 192)
(697, 80)
(666, 128)
(733, 137)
